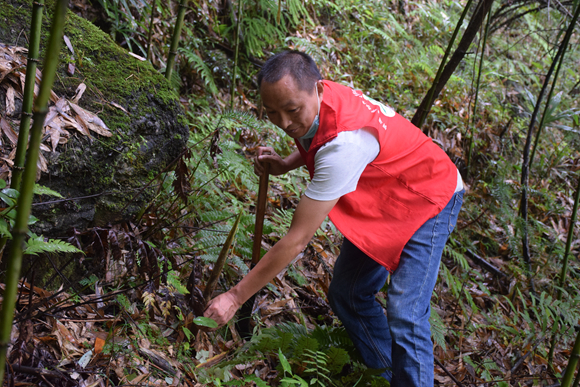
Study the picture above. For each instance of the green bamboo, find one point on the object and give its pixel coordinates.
(28, 97)
(150, 33)
(175, 39)
(20, 228)
(470, 133)
(219, 264)
(526, 152)
(237, 49)
(564, 271)
(577, 381)
(33, 48)
(443, 62)
(549, 99)
(572, 363)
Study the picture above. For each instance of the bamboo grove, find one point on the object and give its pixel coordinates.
(495, 83)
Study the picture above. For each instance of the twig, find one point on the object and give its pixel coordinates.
(448, 373)
(525, 356)
(37, 371)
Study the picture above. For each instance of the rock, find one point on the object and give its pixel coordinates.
(109, 173)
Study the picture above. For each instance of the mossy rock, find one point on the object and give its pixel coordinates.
(109, 172)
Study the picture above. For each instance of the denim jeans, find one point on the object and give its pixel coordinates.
(401, 340)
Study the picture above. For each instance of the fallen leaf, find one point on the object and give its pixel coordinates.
(137, 56)
(99, 344)
(119, 107)
(79, 92)
(42, 164)
(8, 131)
(10, 106)
(68, 44)
(91, 120)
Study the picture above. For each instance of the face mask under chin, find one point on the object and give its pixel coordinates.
(306, 140)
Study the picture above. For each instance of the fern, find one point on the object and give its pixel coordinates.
(336, 359)
(42, 190)
(36, 245)
(202, 69)
(438, 330)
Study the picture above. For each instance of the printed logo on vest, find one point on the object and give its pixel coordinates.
(386, 110)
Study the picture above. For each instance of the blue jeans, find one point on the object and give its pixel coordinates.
(401, 340)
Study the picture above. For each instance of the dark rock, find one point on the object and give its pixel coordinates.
(108, 173)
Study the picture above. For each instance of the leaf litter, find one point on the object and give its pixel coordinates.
(64, 115)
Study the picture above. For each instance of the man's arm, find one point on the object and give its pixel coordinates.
(278, 165)
(307, 218)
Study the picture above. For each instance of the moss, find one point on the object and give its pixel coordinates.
(144, 139)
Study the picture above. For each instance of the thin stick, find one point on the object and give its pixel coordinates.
(175, 40)
(150, 33)
(219, 265)
(25, 199)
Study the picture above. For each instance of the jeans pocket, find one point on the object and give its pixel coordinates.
(457, 203)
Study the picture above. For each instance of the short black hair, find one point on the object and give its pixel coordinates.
(300, 66)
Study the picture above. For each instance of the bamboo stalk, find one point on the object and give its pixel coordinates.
(175, 39)
(26, 192)
(33, 48)
(470, 133)
(549, 98)
(150, 33)
(420, 115)
(526, 152)
(238, 31)
(572, 363)
(219, 265)
(564, 271)
(27, 98)
(577, 381)
(279, 15)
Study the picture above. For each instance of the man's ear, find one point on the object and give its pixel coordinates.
(320, 88)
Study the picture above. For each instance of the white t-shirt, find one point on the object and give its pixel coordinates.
(339, 163)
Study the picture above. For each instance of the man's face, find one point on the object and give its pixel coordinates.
(289, 108)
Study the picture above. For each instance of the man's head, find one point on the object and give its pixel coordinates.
(298, 65)
(290, 91)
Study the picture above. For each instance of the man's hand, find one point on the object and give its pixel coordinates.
(307, 218)
(222, 308)
(278, 165)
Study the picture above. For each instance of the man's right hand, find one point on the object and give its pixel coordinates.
(278, 165)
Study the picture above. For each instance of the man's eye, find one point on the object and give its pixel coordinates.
(293, 110)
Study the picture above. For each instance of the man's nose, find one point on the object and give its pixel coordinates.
(285, 121)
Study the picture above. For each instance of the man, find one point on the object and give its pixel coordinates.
(393, 194)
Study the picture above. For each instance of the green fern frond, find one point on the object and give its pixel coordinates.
(42, 190)
(202, 69)
(36, 245)
(438, 330)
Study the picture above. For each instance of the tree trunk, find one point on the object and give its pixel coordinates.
(473, 27)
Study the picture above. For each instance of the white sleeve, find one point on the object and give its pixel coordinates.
(339, 164)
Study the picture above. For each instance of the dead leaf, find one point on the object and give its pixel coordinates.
(99, 344)
(8, 131)
(10, 106)
(79, 92)
(91, 120)
(68, 44)
(137, 56)
(42, 164)
(119, 107)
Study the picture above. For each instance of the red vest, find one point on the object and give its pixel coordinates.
(409, 182)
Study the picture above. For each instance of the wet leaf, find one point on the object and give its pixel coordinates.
(205, 322)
